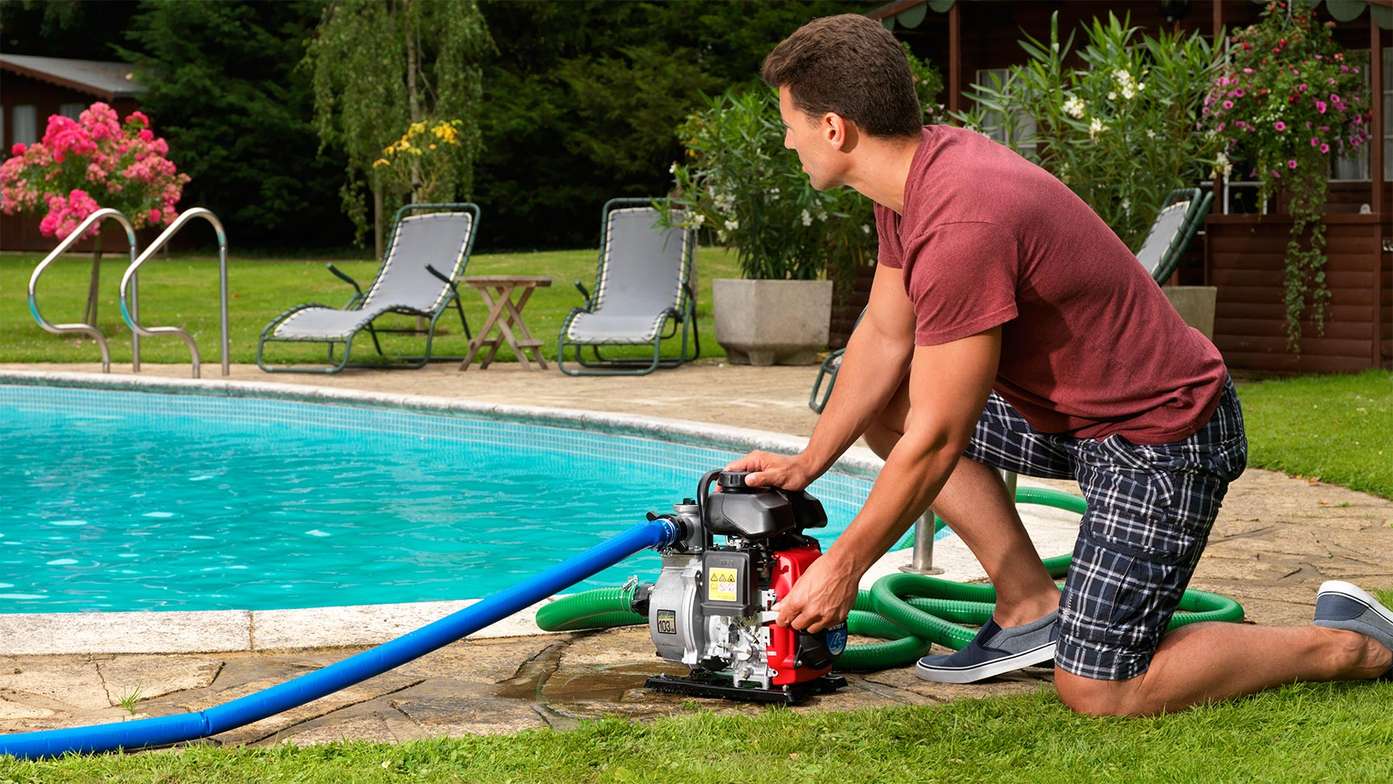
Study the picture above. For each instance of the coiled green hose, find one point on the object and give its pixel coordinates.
(909, 612)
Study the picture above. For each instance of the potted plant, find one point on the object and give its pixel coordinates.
(1119, 130)
(743, 186)
(86, 164)
(799, 249)
(1286, 102)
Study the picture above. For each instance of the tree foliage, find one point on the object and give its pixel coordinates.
(223, 88)
(381, 65)
(584, 98)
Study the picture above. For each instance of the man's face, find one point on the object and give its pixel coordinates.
(812, 140)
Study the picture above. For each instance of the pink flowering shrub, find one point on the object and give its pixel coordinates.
(83, 165)
(1287, 100)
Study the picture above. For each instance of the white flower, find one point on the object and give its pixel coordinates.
(698, 219)
(1075, 107)
(1141, 86)
(1126, 205)
(1095, 127)
(732, 225)
(1129, 92)
(672, 169)
(1150, 134)
(822, 216)
(1054, 46)
(807, 218)
(866, 229)
(1222, 164)
(1112, 96)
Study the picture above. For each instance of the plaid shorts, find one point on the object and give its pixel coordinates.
(1150, 508)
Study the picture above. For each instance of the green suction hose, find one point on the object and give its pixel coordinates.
(600, 608)
(908, 612)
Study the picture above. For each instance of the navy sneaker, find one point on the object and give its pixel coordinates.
(1342, 605)
(994, 651)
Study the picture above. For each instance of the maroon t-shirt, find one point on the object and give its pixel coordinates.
(1090, 346)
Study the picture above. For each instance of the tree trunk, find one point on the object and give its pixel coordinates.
(414, 101)
(412, 97)
(89, 314)
(377, 238)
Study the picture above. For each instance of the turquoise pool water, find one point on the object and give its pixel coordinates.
(114, 500)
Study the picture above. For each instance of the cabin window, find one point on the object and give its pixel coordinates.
(24, 118)
(1354, 166)
(1023, 134)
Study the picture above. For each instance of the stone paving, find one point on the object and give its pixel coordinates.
(1276, 539)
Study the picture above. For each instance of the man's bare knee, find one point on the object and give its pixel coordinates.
(1097, 697)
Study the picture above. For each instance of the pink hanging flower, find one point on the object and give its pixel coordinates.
(1228, 104)
(1324, 148)
(84, 164)
(1279, 126)
(154, 215)
(1291, 164)
(1321, 106)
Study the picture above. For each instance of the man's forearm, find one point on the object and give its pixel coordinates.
(914, 473)
(872, 369)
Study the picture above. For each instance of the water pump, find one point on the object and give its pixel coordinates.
(711, 608)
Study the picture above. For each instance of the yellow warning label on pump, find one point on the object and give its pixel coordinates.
(721, 585)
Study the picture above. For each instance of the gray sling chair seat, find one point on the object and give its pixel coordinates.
(1175, 226)
(426, 256)
(643, 295)
(1181, 216)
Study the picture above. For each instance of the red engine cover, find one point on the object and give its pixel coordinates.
(789, 565)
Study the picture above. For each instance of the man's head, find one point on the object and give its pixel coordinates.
(839, 78)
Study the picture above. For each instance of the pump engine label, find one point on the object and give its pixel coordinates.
(721, 585)
(667, 622)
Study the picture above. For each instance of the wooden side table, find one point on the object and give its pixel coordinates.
(505, 317)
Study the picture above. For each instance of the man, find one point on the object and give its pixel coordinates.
(1009, 328)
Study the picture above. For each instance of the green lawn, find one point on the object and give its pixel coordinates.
(183, 291)
(1338, 429)
(1311, 732)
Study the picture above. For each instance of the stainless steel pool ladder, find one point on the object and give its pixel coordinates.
(128, 284)
(89, 329)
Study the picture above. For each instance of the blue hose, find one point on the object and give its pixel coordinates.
(164, 730)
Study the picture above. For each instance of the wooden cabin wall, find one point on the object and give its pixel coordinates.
(1246, 264)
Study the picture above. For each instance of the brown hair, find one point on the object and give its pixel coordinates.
(850, 65)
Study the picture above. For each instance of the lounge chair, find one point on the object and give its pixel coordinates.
(426, 255)
(642, 295)
(817, 398)
(1175, 226)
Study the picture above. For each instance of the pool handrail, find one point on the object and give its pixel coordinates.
(131, 316)
(103, 214)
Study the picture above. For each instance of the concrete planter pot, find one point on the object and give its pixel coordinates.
(767, 322)
(1195, 304)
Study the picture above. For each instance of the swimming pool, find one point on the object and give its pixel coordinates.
(117, 500)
